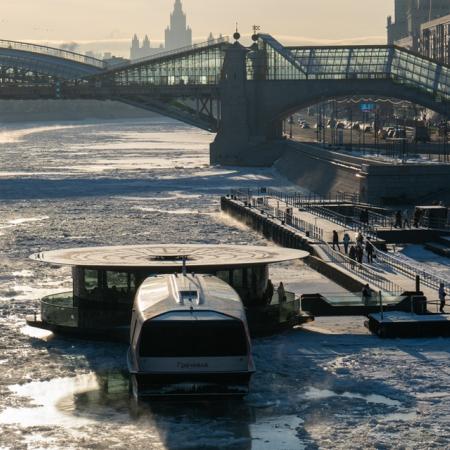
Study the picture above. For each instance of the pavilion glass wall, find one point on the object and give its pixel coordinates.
(199, 68)
(119, 287)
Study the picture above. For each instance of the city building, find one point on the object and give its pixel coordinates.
(435, 39)
(137, 51)
(112, 61)
(178, 34)
(410, 15)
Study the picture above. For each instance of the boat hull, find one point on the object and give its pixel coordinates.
(189, 384)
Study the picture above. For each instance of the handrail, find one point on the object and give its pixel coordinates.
(297, 198)
(377, 218)
(299, 224)
(412, 271)
(319, 210)
(57, 300)
(363, 270)
(51, 51)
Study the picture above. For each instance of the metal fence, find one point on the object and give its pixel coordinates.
(362, 270)
(412, 270)
(298, 198)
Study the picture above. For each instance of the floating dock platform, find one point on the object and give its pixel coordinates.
(398, 324)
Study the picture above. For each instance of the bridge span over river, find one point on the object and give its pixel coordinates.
(241, 93)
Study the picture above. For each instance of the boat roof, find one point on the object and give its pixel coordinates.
(169, 256)
(168, 294)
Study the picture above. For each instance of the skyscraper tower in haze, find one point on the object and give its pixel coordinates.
(178, 34)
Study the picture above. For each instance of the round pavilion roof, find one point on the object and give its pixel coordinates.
(170, 256)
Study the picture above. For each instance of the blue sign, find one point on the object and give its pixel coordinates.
(367, 107)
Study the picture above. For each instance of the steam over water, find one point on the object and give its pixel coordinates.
(148, 181)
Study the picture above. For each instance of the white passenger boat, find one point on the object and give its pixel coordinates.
(189, 335)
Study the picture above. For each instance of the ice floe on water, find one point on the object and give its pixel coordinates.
(330, 385)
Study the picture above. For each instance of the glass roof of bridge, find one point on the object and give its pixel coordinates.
(340, 63)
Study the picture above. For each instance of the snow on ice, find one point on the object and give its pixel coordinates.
(328, 385)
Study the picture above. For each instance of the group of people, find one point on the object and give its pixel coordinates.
(270, 290)
(402, 220)
(357, 250)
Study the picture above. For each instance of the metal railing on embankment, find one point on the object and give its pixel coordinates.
(410, 270)
(298, 198)
(322, 209)
(362, 270)
(311, 230)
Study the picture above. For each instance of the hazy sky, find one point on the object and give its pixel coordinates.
(109, 24)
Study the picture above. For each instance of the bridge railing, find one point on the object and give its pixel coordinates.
(50, 51)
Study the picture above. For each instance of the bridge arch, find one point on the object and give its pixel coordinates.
(283, 100)
(35, 62)
(386, 89)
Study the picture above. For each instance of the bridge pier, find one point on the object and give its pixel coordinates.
(241, 140)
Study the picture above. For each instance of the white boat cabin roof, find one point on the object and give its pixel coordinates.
(181, 293)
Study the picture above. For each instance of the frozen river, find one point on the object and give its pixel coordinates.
(148, 181)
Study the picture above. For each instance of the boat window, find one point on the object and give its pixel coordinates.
(121, 286)
(238, 279)
(90, 279)
(188, 296)
(215, 338)
(117, 280)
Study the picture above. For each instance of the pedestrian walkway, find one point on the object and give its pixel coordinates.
(327, 227)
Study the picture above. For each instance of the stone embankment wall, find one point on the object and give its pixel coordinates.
(324, 171)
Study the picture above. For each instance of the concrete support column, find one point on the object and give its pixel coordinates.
(232, 139)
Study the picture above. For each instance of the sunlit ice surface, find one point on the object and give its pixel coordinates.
(329, 385)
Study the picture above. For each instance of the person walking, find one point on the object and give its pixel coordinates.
(359, 238)
(281, 293)
(442, 295)
(369, 251)
(398, 219)
(346, 241)
(359, 253)
(352, 255)
(269, 292)
(336, 240)
(406, 221)
(366, 294)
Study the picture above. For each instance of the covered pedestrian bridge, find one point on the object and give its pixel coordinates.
(241, 93)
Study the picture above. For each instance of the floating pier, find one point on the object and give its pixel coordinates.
(399, 324)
